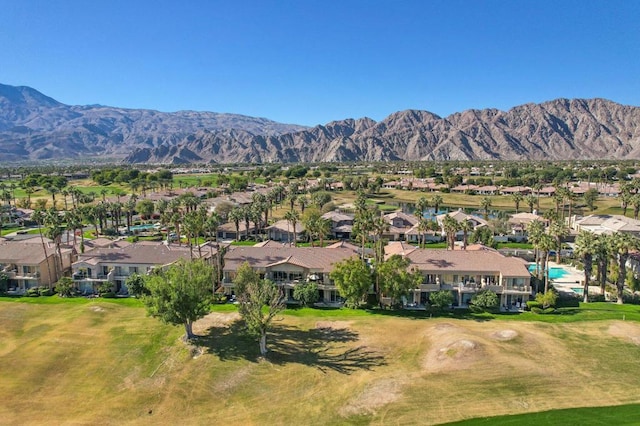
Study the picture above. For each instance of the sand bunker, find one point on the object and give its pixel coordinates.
(504, 335)
(626, 330)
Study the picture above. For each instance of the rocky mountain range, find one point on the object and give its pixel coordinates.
(34, 126)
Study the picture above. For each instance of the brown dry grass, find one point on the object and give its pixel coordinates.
(107, 364)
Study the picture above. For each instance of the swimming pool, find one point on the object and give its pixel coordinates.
(142, 227)
(555, 272)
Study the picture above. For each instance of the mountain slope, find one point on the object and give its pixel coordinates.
(34, 126)
(556, 130)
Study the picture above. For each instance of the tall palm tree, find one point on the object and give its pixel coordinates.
(421, 206)
(546, 244)
(535, 229)
(236, 216)
(54, 231)
(585, 248)
(362, 225)
(323, 227)
(293, 217)
(517, 198)
(38, 217)
(621, 245)
(485, 203)
(437, 201)
(450, 226)
(602, 254)
(466, 226)
(558, 231)
(423, 227)
(530, 200)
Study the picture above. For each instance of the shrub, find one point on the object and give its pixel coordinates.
(484, 300)
(531, 304)
(33, 292)
(541, 311)
(440, 299)
(64, 287)
(45, 291)
(306, 293)
(219, 298)
(108, 295)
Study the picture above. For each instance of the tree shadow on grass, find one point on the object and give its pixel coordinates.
(326, 348)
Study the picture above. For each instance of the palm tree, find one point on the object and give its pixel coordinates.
(535, 230)
(517, 198)
(423, 227)
(635, 202)
(585, 248)
(54, 231)
(559, 231)
(323, 227)
(450, 226)
(235, 215)
(421, 206)
(485, 203)
(621, 245)
(436, 200)
(292, 217)
(466, 226)
(362, 225)
(602, 253)
(530, 200)
(38, 217)
(546, 244)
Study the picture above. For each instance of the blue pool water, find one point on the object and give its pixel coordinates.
(141, 227)
(554, 272)
(578, 290)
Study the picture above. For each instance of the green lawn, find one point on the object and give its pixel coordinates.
(616, 415)
(104, 361)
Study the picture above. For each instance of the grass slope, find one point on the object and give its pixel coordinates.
(105, 362)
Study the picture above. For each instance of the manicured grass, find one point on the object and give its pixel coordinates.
(106, 361)
(616, 415)
(525, 246)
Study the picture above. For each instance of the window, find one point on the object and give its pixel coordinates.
(133, 269)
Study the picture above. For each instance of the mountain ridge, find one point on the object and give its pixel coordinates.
(34, 126)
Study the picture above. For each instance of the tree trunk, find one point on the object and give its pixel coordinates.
(546, 273)
(622, 275)
(263, 343)
(188, 328)
(588, 263)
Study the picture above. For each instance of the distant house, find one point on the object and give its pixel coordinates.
(607, 224)
(26, 265)
(114, 264)
(288, 266)
(520, 221)
(282, 230)
(341, 224)
(399, 224)
(464, 273)
(460, 217)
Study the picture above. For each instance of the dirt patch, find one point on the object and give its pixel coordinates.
(454, 355)
(504, 335)
(231, 382)
(374, 396)
(95, 308)
(626, 330)
(338, 325)
(215, 319)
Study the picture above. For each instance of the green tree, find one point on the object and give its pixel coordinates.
(485, 203)
(253, 296)
(352, 278)
(437, 201)
(181, 294)
(440, 299)
(590, 198)
(136, 285)
(64, 287)
(306, 293)
(484, 300)
(547, 299)
(395, 280)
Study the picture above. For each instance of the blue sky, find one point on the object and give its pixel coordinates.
(311, 62)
